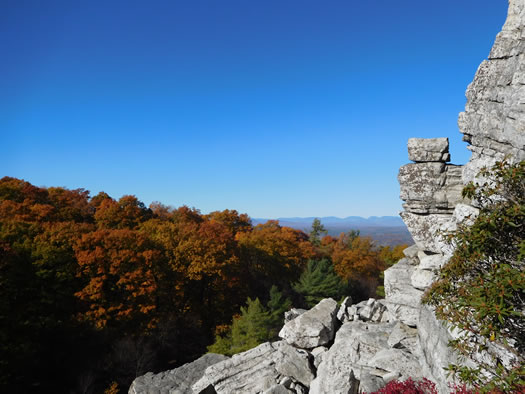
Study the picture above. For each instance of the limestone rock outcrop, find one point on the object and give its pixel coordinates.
(262, 368)
(313, 328)
(360, 347)
(363, 349)
(370, 348)
(428, 149)
(176, 381)
(494, 124)
(494, 118)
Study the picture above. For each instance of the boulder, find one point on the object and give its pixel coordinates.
(372, 311)
(433, 341)
(420, 183)
(313, 328)
(428, 149)
(345, 384)
(430, 187)
(411, 254)
(465, 214)
(494, 118)
(370, 383)
(318, 354)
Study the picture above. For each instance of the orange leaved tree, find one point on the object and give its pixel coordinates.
(118, 269)
(356, 259)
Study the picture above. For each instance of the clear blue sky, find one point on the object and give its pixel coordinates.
(273, 108)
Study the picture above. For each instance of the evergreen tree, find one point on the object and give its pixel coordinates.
(277, 305)
(247, 331)
(255, 325)
(252, 328)
(317, 230)
(320, 281)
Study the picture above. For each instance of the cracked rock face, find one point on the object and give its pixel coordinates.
(494, 124)
(402, 299)
(430, 187)
(494, 118)
(362, 352)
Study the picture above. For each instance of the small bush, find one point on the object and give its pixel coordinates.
(409, 386)
(481, 290)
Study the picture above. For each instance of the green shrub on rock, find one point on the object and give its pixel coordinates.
(482, 288)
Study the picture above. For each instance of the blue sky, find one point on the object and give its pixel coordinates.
(274, 108)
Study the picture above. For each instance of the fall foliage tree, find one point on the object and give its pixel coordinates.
(38, 227)
(127, 212)
(356, 260)
(272, 254)
(95, 273)
(202, 255)
(118, 268)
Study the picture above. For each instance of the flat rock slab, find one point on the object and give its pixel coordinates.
(259, 369)
(178, 380)
(313, 328)
(397, 360)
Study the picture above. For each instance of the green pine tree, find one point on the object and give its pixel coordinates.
(252, 328)
(317, 230)
(255, 325)
(277, 305)
(320, 281)
(247, 331)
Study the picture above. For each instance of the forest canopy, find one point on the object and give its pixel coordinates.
(95, 291)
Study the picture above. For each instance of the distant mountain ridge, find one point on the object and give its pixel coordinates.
(385, 230)
(372, 221)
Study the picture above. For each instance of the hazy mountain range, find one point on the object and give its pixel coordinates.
(385, 230)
